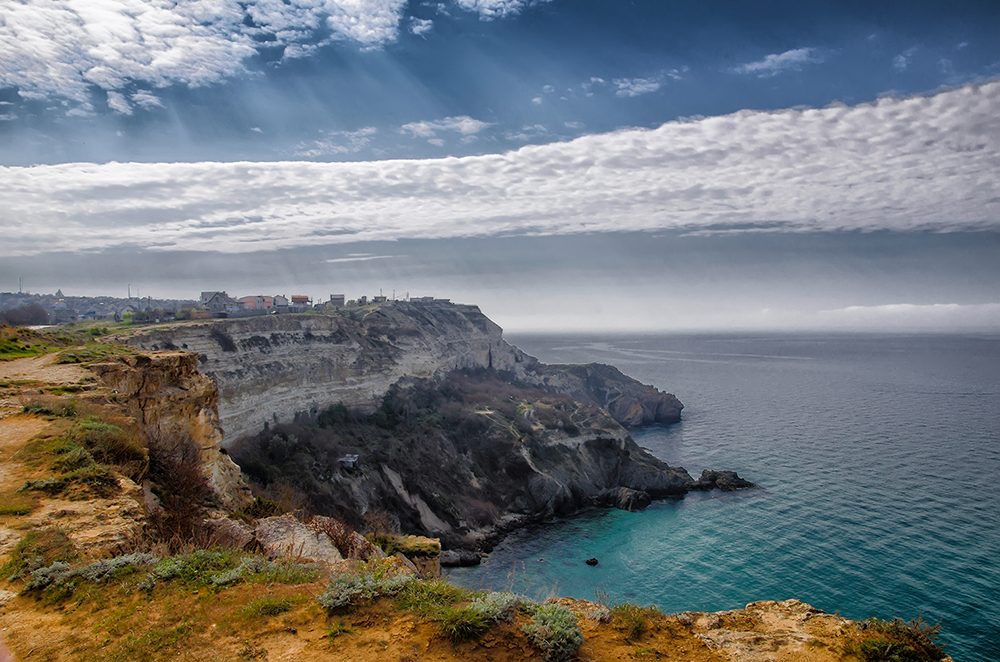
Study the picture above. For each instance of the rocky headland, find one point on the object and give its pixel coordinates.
(457, 434)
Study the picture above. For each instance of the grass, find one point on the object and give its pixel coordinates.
(18, 504)
(338, 629)
(268, 606)
(463, 623)
(85, 457)
(93, 352)
(50, 406)
(427, 598)
(631, 620)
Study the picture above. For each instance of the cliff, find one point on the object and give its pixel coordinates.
(271, 368)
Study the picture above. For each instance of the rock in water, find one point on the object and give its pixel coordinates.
(591, 561)
(727, 481)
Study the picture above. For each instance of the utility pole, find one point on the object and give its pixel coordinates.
(20, 285)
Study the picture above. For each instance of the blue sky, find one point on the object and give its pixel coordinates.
(379, 143)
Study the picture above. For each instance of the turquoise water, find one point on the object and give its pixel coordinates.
(878, 457)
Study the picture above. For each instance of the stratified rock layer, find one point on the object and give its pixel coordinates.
(271, 368)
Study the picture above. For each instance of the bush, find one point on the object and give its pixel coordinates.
(898, 641)
(269, 605)
(555, 631)
(498, 606)
(346, 590)
(632, 620)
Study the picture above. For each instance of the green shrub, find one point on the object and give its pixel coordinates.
(555, 631)
(346, 590)
(463, 623)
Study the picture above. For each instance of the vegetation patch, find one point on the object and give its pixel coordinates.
(38, 549)
(462, 623)
(18, 505)
(897, 641)
(554, 629)
(50, 406)
(427, 598)
(268, 606)
(378, 580)
(93, 352)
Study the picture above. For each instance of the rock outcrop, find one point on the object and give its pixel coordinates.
(175, 404)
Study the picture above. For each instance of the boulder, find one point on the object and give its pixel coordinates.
(727, 481)
(230, 533)
(459, 558)
(286, 537)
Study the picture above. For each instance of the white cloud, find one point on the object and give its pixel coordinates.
(420, 26)
(146, 99)
(62, 47)
(427, 129)
(916, 164)
(337, 142)
(118, 103)
(490, 9)
(774, 64)
(537, 101)
(633, 87)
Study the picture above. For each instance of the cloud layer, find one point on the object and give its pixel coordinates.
(923, 163)
(65, 47)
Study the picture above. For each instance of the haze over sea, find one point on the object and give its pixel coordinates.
(877, 456)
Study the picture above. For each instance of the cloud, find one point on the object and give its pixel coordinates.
(463, 124)
(774, 64)
(337, 142)
(633, 87)
(420, 26)
(146, 100)
(118, 103)
(360, 257)
(914, 164)
(491, 9)
(64, 47)
(902, 61)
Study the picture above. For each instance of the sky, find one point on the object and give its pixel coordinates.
(589, 165)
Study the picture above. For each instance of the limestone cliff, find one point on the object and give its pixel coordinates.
(271, 368)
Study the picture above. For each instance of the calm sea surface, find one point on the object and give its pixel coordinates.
(879, 459)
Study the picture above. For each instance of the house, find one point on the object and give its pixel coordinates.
(258, 302)
(337, 300)
(300, 303)
(422, 300)
(280, 303)
(220, 302)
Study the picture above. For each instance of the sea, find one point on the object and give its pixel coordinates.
(878, 461)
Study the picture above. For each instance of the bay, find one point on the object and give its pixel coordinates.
(877, 457)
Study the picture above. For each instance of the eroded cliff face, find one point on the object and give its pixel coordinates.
(176, 404)
(270, 368)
